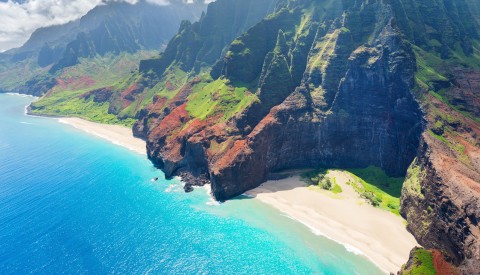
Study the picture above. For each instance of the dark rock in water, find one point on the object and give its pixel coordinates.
(188, 188)
(191, 181)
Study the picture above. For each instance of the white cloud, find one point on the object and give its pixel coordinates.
(18, 20)
(159, 2)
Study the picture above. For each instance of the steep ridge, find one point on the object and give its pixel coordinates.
(441, 196)
(163, 77)
(127, 28)
(191, 52)
(313, 58)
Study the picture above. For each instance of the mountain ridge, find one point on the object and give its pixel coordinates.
(114, 27)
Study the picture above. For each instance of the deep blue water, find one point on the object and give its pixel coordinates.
(72, 203)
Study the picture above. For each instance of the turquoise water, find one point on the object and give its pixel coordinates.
(72, 203)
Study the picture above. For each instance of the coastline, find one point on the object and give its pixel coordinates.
(345, 218)
(116, 134)
(333, 218)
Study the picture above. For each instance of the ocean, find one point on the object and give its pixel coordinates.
(72, 203)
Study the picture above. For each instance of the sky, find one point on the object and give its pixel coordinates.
(19, 18)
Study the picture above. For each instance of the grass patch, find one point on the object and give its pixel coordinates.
(379, 189)
(376, 177)
(422, 263)
(77, 107)
(218, 97)
(428, 69)
(321, 179)
(370, 183)
(432, 73)
(336, 189)
(458, 148)
(90, 74)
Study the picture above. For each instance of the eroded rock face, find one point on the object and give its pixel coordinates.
(441, 195)
(446, 199)
(372, 118)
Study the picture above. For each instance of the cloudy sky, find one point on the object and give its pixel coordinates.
(19, 18)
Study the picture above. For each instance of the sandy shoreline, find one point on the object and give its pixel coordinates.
(116, 134)
(345, 218)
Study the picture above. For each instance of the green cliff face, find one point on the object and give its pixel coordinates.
(202, 43)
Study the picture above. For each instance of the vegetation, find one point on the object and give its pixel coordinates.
(376, 177)
(321, 179)
(314, 177)
(77, 107)
(412, 184)
(422, 264)
(218, 98)
(336, 189)
(65, 99)
(379, 189)
(433, 74)
(370, 183)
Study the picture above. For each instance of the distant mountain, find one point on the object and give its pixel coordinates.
(111, 28)
(203, 43)
(127, 28)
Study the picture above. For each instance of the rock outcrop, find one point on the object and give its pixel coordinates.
(441, 195)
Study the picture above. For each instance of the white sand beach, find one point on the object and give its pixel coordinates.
(345, 218)
(116, 134)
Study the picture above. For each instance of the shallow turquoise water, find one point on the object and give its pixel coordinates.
(72, 203)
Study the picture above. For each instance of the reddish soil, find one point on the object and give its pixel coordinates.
(441, 266)
(239, 147)
(172, 122)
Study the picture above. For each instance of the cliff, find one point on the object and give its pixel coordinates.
(311, 86)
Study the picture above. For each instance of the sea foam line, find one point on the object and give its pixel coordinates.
(350, 248)
(21, 95)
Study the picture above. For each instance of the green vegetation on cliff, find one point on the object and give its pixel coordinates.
(374, 185)
(412, 184)
(376, 177)
(76, 107)
(422, 264)
(69, 97)
(218, 97)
